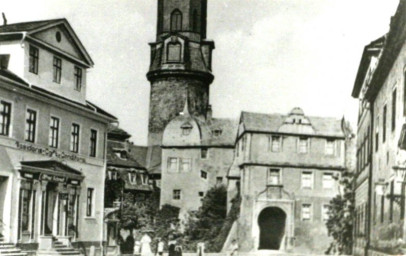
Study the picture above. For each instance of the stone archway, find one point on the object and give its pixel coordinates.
(271, 222)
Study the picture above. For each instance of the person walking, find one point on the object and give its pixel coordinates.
(160, 247)
(234, 248)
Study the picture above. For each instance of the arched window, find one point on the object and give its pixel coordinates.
(174, 51)
(195, 27)
(176, 20)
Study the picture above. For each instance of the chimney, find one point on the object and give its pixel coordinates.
(4, 59)
(4, 19)
(209, 113)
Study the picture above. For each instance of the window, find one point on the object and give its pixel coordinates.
(274, 177)
(186, 165)
(78, 78)
(201, 194)
(307, 179)
(217, 132)
(203, 175)
(393, 110)
(172, 164)
(176, 20)
(384, 124)
(30, 125)
(303, 145)
(203, 153)
(176, 194)
(112, 175)
(330, 145)
(306, 211)
(89, 202)
(377, 134)
(5, 117)
(132, 177)
(74, 139)
(53, 132)
(93, 142)
(33, 60)
(276, 143)
(325, 212)
(25, 198)
(174, 52)
(243, 143)
(57, 70)
(219, 180)
(328, 180)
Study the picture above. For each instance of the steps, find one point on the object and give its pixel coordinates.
(10, 249)
(58, 248)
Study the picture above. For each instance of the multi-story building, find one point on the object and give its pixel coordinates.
(287, 167)
(52, 140)
(380, 86)
(197, 154)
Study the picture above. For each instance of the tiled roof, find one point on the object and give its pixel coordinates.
(228, 128)
(27, 26)
(259, 122)
(114, 160)
(139, 153)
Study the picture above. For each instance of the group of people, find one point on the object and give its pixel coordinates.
(129, 246)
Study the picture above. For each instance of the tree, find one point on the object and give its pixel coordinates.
(340, 221)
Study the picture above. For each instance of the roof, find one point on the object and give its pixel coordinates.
(138, 185)
(116, 133)
(372, 49)
(32, 27)
(114, 160)
(89, 106)
(138, 153)
(271, 123)
(51, 165)
(394, 42)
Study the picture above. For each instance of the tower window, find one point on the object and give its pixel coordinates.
(176, 20)
(174, 51)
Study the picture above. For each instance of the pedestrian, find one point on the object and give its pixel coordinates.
(178, 248)
(160, 247)
(146, 245)
(127, 243)
(171, 246)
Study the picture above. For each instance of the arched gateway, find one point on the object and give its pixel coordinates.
(271, 223)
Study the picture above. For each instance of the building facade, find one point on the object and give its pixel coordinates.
(286, 167)
(381, 87)
(52, 140)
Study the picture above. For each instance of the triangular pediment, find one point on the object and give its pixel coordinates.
(60, 37)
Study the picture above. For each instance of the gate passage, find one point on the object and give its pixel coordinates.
(271, 223)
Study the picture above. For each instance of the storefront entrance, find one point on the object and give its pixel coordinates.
(271, 223)
(3, 211)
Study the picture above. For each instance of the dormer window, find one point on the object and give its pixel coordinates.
(186, 129)
(121, 154)
(112, 174)
(132, 177)
(176, 20)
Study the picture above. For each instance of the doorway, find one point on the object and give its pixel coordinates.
(51, 196)
(271, 223)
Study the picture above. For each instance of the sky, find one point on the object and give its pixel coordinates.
(270, 56)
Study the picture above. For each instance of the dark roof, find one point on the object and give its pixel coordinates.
(116, 133)
(270, 123)
(123, 174)
(114, 160)
(372, 49)
(51, 165)
(10, 75)
(394, 42)
(139, 153)
(228, 128)
(27, 26)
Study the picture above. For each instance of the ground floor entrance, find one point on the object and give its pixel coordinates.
(271, 221)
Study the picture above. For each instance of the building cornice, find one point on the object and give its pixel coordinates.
(286, 164)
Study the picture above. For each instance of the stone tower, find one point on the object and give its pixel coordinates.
(180, 66)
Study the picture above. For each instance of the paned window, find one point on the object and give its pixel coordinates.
(219, 180)
(30, 125)
(186, 165)
(176, 194)
(274, 177)
(89, 202)
(307, 179)
(53, 132)
(174, 53)
(330, 145)
(57, 70)
(5, 117)
(276, 143)
(328, 180)
(393, 110)
(93, 142)
(325, 212)
(303, 145)
(203, 175)
(74, 140)
(172, 164)
(112, 175)
(33, 60)
(78, 78)
(306, 211)
(203, 153)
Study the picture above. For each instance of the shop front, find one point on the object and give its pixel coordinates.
(48, 202)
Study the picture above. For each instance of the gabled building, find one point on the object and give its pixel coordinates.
(286, 169)
(379, 190)
(52, 140)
